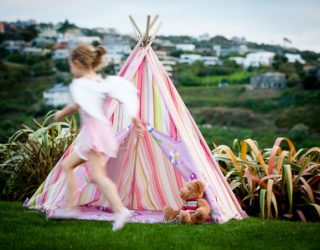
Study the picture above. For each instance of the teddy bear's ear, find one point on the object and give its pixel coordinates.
(200, 186)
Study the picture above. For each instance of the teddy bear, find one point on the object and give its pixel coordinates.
(195, 210)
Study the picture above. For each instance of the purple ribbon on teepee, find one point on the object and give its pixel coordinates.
(177, 153)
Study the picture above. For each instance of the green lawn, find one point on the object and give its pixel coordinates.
(24, 229)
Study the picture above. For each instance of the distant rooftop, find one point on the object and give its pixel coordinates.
(59, 87)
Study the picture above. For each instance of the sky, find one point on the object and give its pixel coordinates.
(261, 21)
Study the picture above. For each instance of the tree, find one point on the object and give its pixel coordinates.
(278, 60)
(311, 80)
(29, 33)
(66, 25)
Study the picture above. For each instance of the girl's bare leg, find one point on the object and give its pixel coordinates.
(108, 189)
(105, 184)
(68, 165)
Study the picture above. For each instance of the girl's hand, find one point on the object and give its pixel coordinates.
(70, 109)
(138, 127)
(58, 116)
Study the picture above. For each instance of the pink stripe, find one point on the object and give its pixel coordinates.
(59, 168)
(135, 188)
(97, 194)
(154, 172)
(128, 61)
(44, 197)
(124, 164)
(112, 118)
(124, 169)
(58, 192)
(58, 174)
(173, 128)
(138, 197)
(178, 178)
(139, 86)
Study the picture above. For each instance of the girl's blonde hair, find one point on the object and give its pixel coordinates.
(89, 56)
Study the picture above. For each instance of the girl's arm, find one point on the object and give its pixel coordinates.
(138, 125)
(70, 109)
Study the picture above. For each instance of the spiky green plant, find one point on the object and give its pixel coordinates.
(30, 154)
(273, 182)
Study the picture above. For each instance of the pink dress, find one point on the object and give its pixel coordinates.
(97, 136)
(96, 132)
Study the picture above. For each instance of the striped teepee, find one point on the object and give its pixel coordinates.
(149, 171)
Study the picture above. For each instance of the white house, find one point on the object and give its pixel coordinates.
(112, 31)
(238, 40)
(36, 51)
(14, 45)
(112, 59)
(258, 59)
(48, 33)
(237, 59)
(189, 58)
(207, 60)
(223, 84)
(58, 95)
(100, 30)
(42, 42)
(294, 58)
(168, 62)
(74, 41)
(242, 49)
(203, 37)
(117, 47)
(274, 80)
(164, 44)
(211, 60)
(65, 38)
(238, 48)
(185, 46)
(60, 54)
(217, 49)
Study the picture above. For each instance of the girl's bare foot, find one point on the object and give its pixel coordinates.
(121, 219)
(65, 213)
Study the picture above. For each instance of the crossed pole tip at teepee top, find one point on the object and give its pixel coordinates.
(145, 38)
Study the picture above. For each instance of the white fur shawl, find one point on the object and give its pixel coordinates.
(89, 94)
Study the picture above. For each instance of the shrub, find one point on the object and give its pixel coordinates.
(30, 155)
(274, 183)
(225, 116)
(188, 79)
(294, 115)
(299, 131)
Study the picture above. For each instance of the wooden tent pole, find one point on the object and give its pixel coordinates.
(144, 38)
(156, 32)
(146, 34)
(153, 21)
(135, 25)
(135, 31)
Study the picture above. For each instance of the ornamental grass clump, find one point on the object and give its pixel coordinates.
(277, 182)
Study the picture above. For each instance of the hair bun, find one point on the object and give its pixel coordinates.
(100, 50)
